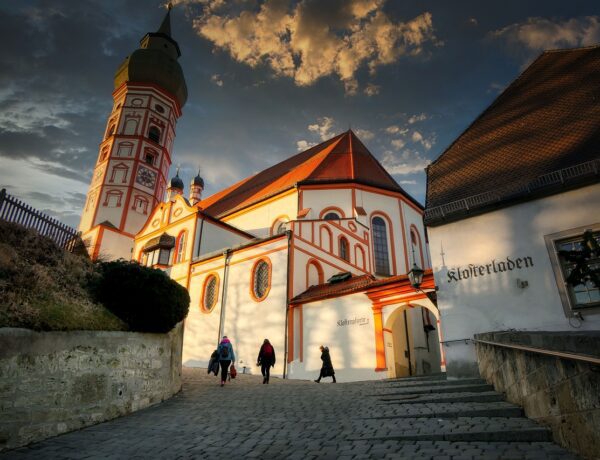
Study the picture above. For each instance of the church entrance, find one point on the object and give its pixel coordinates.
(412, 341)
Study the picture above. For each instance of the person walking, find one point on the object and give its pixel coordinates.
(226, 357)
(327, 367)
(266, 360)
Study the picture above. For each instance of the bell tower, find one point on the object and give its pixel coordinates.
(130, 174)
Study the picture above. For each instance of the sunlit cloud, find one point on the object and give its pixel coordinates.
(365, 134)
(372, 90)
(394, 129)
(217, 80)
(310, 40)
(408, 162)
(323, 128)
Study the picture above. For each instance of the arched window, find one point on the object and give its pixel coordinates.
(154, 134)
(210, 293)
(261, 280)
(180, 245)
(359, 257)
(280, 225)
(331, 216)
(344, 249)
(314, 274)
(380, 246)
(326, 238)
(131, 126)
(415, 243)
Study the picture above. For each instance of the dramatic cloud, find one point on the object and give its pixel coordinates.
(409, 162)
(538, 34)
(312, 39)
(417, 118)
(365, 134)
(323, 128)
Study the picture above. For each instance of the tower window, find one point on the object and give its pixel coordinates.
(154, 134)
(150, 158)
(159, 108)
(331, 216)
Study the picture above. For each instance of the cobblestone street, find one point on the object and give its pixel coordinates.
(408, 419)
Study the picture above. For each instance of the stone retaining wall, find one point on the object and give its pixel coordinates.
(55, 382)
(560, 393)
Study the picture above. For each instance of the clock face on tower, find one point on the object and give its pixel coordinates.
(146, 177)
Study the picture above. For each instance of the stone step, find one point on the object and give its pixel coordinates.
(434, 383)
(483, 429)
(466, 396)
(440, 376)
(446, 410)
(473, 388)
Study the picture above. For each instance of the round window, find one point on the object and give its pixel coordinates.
(261, 279)
(209, 299)
(159, 108)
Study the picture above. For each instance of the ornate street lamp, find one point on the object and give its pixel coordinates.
(415, 276)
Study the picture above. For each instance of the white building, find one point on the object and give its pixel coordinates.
(518, 186)
(257, 257)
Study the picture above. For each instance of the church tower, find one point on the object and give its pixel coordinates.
(130, 175)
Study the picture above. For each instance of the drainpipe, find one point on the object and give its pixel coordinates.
(200, 237)
(407, 344)
(287, 304)
(227, 254)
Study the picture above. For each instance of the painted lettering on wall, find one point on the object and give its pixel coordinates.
(353, 322)
(475, 271)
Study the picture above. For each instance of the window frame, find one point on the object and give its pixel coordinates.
(203, 306)
(253, 293)
(387, 239)
(566, 298)
(344, 248)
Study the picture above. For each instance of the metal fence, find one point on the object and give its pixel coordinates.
(14, 210)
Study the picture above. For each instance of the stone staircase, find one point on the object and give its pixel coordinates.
(432, 408)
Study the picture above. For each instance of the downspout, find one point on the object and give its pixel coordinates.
(407, 344)
(227, 254)
(200, 237)
(287, 304)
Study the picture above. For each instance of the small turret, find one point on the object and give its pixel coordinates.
(175, 187)
(196, 189)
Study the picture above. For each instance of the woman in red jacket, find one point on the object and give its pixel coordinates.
(266, 359)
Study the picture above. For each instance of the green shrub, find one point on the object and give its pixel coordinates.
(145, 298)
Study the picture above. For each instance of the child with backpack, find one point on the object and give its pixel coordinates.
(226, 357)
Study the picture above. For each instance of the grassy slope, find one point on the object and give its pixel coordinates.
(43, 287)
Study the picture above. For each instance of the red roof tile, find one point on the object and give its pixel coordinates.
(343, 158)
(548, 119)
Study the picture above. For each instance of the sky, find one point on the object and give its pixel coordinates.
(266, 79)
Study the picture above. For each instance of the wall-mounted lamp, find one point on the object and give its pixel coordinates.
(522, 284)
(415, 276)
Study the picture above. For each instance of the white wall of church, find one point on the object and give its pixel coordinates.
(115, 246)
(246, 322)
(351, 345)
(495, 302)
(216, 238)
(259, 220)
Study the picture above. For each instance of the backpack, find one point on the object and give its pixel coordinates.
(224, 352)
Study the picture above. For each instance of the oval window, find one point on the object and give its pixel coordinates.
(159, 108)
(261, 281)
(209, 298)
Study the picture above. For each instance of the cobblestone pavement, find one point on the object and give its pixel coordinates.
(395, 419)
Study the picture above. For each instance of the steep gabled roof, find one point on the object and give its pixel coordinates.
(343, 158)
(546, 121)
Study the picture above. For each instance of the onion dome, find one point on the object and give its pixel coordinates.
(156, 62)
(176, 182)
(198, 181)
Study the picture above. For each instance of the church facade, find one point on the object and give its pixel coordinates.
(312, 251)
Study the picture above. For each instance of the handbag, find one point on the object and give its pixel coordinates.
(232, 372)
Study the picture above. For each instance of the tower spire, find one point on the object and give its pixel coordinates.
(165, 26)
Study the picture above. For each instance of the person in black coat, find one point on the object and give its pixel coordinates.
(327, 367)
(266, 360)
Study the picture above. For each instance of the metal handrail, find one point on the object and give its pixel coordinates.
(542, 351)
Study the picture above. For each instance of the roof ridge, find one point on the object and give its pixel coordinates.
(578, 48)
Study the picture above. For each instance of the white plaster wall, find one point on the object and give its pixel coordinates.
(352, 347)
(494, 302)
(115, 246)
(318, 200)
(215, 237)
(259, 220)
(246, 322)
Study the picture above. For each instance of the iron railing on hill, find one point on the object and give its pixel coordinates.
(14, 210)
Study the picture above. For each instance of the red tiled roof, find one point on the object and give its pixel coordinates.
(546, 120)
(342, 158)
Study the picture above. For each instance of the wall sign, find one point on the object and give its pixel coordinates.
(353, 322)
(475, 271)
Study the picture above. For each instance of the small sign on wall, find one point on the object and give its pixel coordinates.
(475, 271)
(353, 321)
